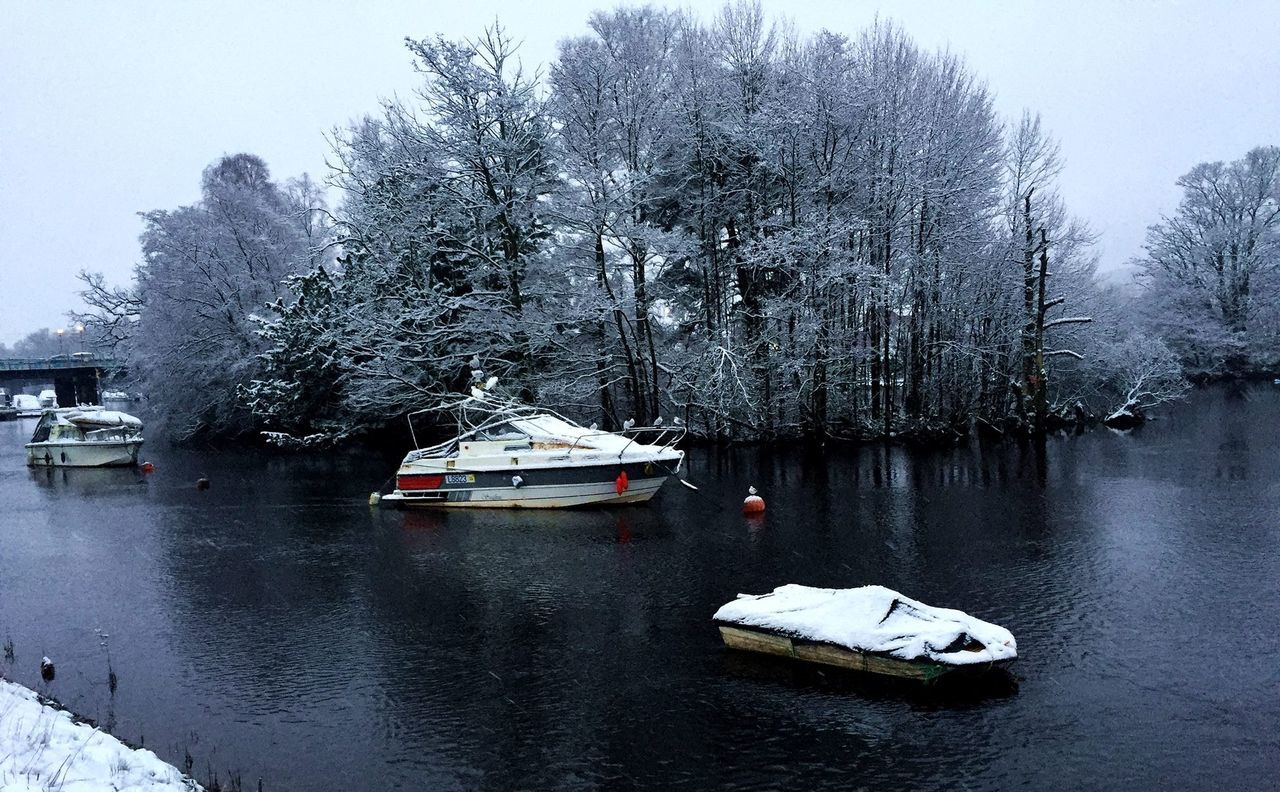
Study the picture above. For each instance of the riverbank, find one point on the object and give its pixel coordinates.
(42, 747)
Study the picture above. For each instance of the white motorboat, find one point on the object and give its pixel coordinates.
(508, 455)
(85, 438)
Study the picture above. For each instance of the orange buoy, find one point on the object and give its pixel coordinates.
(621, 484)
(147, 467)
(754, 504)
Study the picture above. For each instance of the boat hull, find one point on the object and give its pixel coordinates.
(771, 643)
(536, 488)
(87, 453)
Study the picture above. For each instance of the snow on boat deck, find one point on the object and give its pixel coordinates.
(873, 619)
(42, 748)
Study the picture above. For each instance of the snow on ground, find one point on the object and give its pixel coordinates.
(41, 748)
(873, 619)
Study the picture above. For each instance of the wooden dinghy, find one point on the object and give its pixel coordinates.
(871, 629)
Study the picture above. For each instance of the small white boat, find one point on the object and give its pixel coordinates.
(85, 438)
(116, 395)
(48, 398)
(508, 455)
(28, 406)
(872, 628)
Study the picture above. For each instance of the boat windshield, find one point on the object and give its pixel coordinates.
(501, 431)
(42, 429)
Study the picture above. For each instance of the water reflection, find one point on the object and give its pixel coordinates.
(88, 482)
(310, 640)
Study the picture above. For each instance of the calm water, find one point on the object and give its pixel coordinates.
(277, 625)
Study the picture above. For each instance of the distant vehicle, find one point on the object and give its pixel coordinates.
(80, 357)
(48, 398)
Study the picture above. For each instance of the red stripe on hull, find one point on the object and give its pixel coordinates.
(415, 482)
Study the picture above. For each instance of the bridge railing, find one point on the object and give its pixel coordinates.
(60, 362)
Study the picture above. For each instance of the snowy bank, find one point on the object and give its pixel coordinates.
(42, 748)
(873, 619)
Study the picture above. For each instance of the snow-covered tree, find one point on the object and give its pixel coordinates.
(207, 270)
(1212, 270)
(772, 235)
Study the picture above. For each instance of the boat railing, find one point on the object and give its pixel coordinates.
(496, 411)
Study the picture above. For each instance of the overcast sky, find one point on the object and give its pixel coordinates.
(112, 108)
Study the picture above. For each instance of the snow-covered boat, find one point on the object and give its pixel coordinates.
(508, 455)
(85, 438)
(872, 628)
(28, 406)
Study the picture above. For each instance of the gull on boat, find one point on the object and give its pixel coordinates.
(85, 437)
(508, 455)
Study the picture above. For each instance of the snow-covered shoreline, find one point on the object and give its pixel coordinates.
(42, 747)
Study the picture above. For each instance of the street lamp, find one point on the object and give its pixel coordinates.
(80, 332)
(61, 350)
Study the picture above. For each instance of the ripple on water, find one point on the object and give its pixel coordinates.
(276, 624)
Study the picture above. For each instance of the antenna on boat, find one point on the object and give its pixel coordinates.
(412, 434)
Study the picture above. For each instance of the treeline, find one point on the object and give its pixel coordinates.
(45, 343)
(1212, 269)
(768, 235)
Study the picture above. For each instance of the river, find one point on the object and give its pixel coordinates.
(278, 626)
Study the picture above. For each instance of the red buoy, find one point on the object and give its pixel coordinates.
(754, 504)
(147, 467)
(621, 484)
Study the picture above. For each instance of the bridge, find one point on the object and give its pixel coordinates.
(76, 378)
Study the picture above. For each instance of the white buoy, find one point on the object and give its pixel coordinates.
(374, 499)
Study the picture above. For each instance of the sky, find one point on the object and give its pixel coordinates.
(108, 109)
